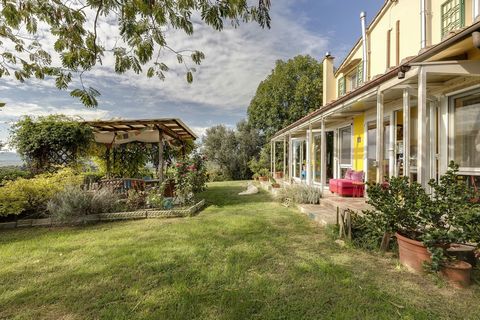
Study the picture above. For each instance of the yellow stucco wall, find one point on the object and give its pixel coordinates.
(358, 142)
(408, 13)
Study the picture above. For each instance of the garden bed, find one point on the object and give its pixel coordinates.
(131, 215)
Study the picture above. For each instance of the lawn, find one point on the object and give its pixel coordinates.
(241, 258)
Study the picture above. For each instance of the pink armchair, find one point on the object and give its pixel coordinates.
(345, 187)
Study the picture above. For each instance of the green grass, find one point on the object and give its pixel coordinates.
(241, 258)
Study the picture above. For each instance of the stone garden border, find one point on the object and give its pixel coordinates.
(131, 215)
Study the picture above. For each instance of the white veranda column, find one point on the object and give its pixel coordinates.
(274, 158)
(422, 128)
(323, 156)
(284, 156)
(309, 155)
(290, 157)
(380, 133)
(391, 146)
(271, 157)
(406, 133)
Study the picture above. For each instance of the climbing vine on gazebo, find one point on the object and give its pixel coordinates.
(50, 141)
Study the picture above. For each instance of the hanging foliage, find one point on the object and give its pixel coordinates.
(130, 160)
(49, 141)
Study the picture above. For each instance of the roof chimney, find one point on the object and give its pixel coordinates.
(329, 88)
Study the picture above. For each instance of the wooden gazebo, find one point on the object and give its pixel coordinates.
(148, 131)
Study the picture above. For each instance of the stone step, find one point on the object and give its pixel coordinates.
(321, 214)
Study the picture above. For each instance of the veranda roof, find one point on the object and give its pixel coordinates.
(145, 130)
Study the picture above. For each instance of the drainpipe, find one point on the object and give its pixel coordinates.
(363, 17)
(424, 42)
(476, 11)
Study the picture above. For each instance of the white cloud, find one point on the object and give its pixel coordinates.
(15, 109)
(236, 61)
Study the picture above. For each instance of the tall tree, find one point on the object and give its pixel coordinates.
(292, 90)
(249, 145)
(230, 150)
(142, 27)
(219, 145)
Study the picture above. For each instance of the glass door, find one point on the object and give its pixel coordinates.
(330, 148)
(398, 147)
(345, 150)
(371, 152)
(317, 164)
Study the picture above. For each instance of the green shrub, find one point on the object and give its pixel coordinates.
(438, 218)
(31, 195)
(73, 201)
(155, 198)
(70, 202)
(105, 200)
(264, 172)
(11, 173)
(136, 199)
(300, 193)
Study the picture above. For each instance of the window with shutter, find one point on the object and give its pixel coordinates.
(453, 16)
(341, 86)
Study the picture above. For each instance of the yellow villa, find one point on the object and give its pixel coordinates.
(405, 100)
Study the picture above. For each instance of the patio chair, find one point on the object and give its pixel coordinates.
(348, 186)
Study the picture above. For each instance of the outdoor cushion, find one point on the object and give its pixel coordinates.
(344, 183)
(344, 187)
(348, 174)
(357, 176)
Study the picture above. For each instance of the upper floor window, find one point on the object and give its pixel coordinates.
(356, 77)
(342, 87)
(453, 15)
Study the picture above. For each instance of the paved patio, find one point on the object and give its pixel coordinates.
(331, 204)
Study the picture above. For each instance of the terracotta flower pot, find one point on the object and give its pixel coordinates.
(263, 178)
(462, 252)
(413, 254)
(276, 185)
(279, 175)
(458, 273)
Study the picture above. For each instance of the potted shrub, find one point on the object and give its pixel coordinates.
(279, 171)
(274, 183)
(263, 174)
(396, 211)
(426, 225)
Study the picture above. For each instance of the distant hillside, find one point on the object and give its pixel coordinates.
(10, 159)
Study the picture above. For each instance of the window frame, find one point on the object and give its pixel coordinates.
(451, 131)
(340, 144)
(459, 23)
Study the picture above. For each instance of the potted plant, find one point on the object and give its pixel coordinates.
(274, 183)
(427, 224)
(279, 171)
(263, 174)
(396, 212)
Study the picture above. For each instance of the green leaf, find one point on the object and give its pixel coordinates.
(189, 77)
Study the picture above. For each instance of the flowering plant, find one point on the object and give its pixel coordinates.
(190, 176)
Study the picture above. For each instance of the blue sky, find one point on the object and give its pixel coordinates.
(236, 61)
